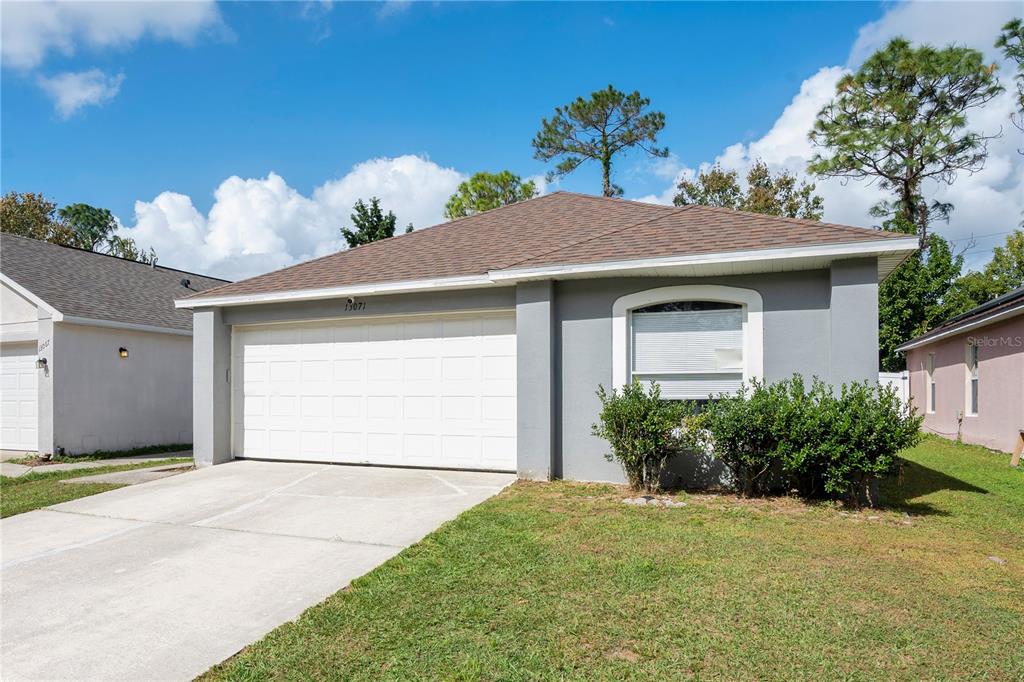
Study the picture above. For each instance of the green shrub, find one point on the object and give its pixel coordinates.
(813, 440)
(643, 430)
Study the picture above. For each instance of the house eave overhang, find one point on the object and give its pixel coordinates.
(892, 251)
(965, 327)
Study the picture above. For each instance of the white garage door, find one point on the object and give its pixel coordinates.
(18, 422)
(431, 391)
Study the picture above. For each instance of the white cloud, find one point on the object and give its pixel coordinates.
(260, 224)
(990, 200)
(72, 91)
(974, 24)
(31, 30)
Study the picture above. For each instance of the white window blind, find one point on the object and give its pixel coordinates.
(691, 353)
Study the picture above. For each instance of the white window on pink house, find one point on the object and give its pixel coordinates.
(930, 379)
(972, 379)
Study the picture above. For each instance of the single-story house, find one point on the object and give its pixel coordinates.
(967, 374)
(93, 353)
(480, 343)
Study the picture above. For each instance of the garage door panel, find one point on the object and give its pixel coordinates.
(427, 391)
(18, 397)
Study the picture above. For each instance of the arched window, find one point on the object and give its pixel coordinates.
(695, 341)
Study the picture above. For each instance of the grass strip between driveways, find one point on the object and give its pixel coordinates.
(564, 581)
(34, 460)
(42, 487)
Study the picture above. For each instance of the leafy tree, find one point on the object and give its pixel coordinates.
(596, 129)
(1011, 42)
(901, 119)
(485, 191)
(78, 225)
(125, 247)
(766, 193)
(1001, 275)
(370, 223)
(92, 226)
(913, 298)
(28, 214)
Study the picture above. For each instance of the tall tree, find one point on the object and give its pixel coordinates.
(766, 193)
(370, 224)
(596, 129)
(92, 226)
(901, 120)
(485, 191)
(28, 214)
(1011, 42)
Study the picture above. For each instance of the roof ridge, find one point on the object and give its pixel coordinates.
(599, 197)
(799, 221)
(157, 266)
(674, 209)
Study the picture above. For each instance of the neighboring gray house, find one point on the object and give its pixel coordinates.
(94, 354)
(479, 343)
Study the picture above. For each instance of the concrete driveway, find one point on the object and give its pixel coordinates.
(164, 579)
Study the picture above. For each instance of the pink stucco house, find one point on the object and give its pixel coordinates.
(967, 374)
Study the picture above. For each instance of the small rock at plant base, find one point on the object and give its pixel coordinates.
(874, 518)
(673, 503)
(997, 560)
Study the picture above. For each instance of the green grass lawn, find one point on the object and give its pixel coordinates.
(41, 488)
(562, 580)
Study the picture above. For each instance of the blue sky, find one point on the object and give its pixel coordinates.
(178, 103)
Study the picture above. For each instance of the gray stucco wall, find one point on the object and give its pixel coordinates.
(535, 355)
(211, 387)
(101, 401)
(853, 301)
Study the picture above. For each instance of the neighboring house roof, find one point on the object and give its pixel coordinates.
(93, 286)
(1001, 308)
(561, 229)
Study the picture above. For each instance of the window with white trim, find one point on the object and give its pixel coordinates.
(931, 383)
(693, 349)
(972, 379)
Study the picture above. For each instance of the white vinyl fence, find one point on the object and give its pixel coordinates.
(898, 380)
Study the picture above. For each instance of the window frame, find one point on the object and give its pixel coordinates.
(930, 389)
(752, 311)
(972, 385)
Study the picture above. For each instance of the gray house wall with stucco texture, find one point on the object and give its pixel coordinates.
(101, 401)
(564, 347)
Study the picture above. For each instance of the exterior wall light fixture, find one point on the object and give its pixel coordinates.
(123, 352)
(41, 363)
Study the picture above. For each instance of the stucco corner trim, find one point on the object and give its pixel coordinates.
(753, 324)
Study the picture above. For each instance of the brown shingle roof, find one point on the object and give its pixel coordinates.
(92, 285)
(559, 228)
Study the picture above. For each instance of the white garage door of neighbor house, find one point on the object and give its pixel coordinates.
(430, 391)
(18, 385)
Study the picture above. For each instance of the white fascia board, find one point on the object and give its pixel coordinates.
(848, 250)
(55, 314)
(130, 326)
(407, 286)
(995, 317)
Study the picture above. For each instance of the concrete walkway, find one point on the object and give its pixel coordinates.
(15, 470)
(159, 581)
